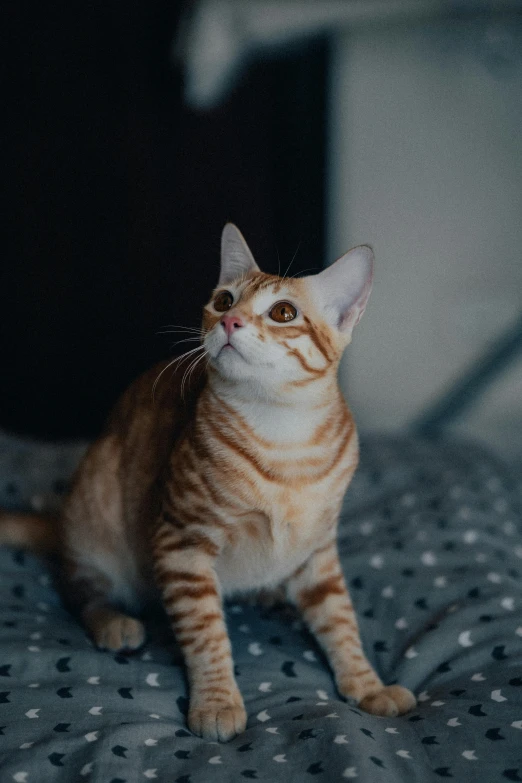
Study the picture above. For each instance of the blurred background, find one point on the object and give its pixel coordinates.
(133, 132)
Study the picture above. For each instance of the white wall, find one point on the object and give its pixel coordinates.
(426, 165)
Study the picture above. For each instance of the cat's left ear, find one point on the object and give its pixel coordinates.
(342, 290)
(236, 259)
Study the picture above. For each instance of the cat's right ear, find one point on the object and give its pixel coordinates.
(236, 259)
(341, 290)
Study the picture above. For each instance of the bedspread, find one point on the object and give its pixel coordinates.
(432, 552)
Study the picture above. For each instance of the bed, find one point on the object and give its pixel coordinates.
(431, 546)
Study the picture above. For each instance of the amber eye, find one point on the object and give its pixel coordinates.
(223, 301)
(283, 312)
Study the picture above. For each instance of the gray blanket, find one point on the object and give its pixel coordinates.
(432, 550)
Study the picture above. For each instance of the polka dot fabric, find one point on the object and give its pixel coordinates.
(432, 551)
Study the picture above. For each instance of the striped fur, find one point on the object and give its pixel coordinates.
(234, 485)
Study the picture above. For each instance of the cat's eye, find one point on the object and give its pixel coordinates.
(282, 312)
(223, 301)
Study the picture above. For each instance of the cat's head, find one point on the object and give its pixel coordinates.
(279, 333)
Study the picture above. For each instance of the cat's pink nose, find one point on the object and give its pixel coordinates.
(230, 323)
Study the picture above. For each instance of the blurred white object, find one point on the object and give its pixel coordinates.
(426, 165)
(217, 38)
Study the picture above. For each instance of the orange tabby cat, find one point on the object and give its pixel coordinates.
(235, 486)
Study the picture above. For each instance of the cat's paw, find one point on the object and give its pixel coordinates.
(217, 721)
(118, 632)
(376, 698)
(392, 700)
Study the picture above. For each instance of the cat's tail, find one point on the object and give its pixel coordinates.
(29, 531)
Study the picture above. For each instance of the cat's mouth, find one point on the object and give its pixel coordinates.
(227, 348)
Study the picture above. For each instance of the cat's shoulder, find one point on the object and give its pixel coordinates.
(159, 392)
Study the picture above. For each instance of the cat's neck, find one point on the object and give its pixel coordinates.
(291, 415)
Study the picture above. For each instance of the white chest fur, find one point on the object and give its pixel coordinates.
(263, 558)
(297, 495)
(269, 545)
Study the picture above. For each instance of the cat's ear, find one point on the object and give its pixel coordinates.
(236, 259)
(342, 290)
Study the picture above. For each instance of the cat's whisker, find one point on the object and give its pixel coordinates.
(179, 360)
(175, 361)
(182, 326)
(170, 329)
(185, 380)
(179, 331)
(184, 356)
(302, 271)
(159, 376)
(189, 371)
(187, 340)
(292, 261)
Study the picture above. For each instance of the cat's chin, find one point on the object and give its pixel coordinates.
(232, 369)
(229, 350)
(229, 356)
(231, 364)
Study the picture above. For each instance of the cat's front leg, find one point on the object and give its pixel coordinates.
(183, 565)
(319, 590)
